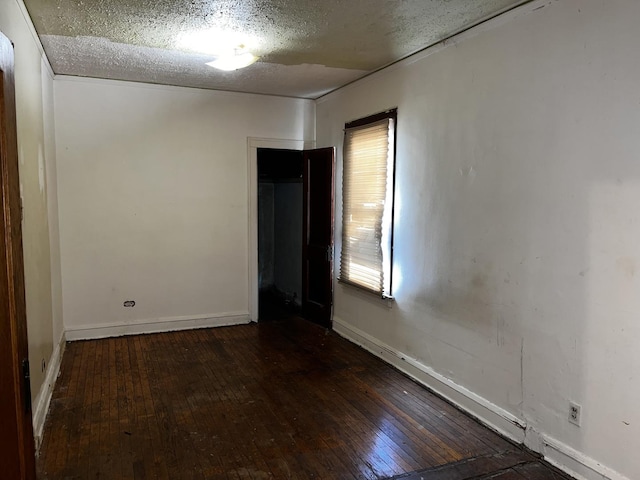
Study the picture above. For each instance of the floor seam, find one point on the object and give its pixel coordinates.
(463, 462)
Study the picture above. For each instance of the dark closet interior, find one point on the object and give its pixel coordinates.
(280, 232)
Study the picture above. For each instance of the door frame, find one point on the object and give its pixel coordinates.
(253, 143)
(17, 418)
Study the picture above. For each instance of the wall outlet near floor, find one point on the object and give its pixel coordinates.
(575, 412)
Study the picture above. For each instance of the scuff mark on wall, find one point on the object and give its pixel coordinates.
(627, 266)
(41, 174)
(500, 325)
(522, 373)
(468, 172)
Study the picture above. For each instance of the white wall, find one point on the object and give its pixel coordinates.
(37, 163)
(153, 199)
(517, 247)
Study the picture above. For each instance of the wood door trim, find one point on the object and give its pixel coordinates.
(17, 450)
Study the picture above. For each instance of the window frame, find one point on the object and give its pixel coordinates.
(391, 114)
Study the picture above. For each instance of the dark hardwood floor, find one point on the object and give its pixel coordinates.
(279, 400)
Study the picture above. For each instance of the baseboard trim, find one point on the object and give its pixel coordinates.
(169, 324)
(576, 463)
(486, 412)
(43, 399)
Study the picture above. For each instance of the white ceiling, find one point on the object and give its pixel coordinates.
(306, 47)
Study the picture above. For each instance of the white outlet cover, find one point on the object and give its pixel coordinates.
(575, 413)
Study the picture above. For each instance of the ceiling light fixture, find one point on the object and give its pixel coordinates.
(237, 60)
(230, 48)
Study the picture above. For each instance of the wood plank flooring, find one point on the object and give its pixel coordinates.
(281, 400)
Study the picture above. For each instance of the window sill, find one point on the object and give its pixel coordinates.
(368, 294)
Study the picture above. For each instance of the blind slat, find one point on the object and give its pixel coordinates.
(364, 187)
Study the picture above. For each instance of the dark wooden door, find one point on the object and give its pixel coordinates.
(317, 241)
(17, 459)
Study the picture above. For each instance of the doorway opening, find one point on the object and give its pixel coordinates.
(280, 233)
(317, 227)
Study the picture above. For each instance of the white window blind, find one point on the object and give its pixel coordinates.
(367, 196)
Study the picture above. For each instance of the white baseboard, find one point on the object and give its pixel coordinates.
(488, 413)
(169, 324)
(43, 399)
(557, 453)
(576, 463)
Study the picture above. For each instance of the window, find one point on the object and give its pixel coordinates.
(367, 202)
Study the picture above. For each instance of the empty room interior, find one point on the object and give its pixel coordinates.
(344, 239)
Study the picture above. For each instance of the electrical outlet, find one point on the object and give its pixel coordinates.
(575, 412)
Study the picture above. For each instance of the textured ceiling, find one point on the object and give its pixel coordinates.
(306, 47)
